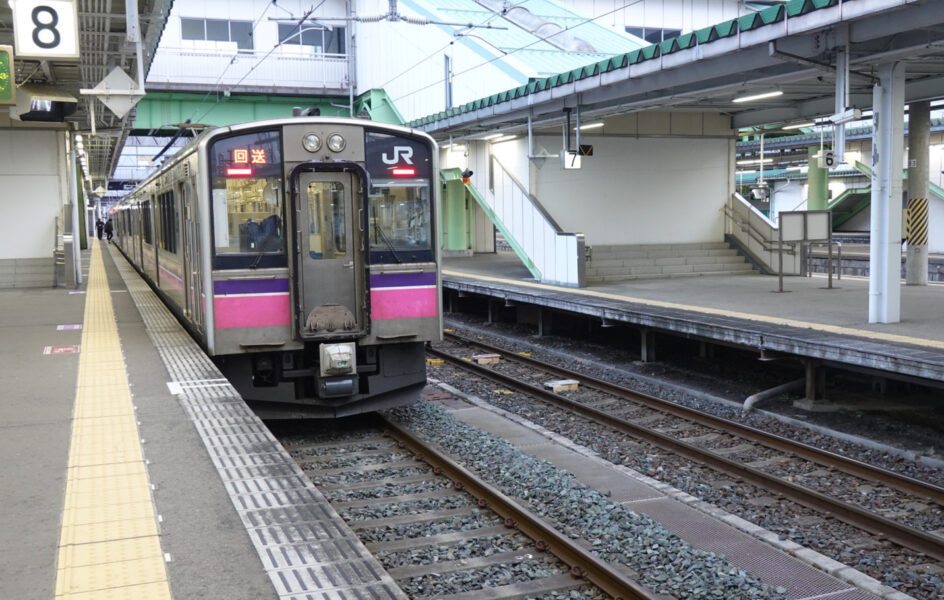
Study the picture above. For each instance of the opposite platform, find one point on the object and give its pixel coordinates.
(808, 320)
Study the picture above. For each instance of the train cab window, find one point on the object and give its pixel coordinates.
(327, 237)
(400, 228)
(247, 188)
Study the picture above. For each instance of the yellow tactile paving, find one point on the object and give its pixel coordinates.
(875, 335)
(108, 546)
(109, 470)
(151, 591)
(100, 513)
(108, 552)
(91, 578)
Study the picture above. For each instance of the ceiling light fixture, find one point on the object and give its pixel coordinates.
(758, 96)
(591, 126)
(798, 126)
(755, 161)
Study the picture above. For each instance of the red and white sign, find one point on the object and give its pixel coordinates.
(61, 349)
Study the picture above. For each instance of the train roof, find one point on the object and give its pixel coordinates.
(211, 132)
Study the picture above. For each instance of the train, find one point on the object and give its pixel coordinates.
(301, 253)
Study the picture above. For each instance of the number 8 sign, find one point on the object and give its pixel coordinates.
(46, 29)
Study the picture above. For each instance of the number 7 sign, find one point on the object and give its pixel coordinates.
(46, 29)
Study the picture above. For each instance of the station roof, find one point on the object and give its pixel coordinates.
(102, 31)
(789, 47)
(543, 37)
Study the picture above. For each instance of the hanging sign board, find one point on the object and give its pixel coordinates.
(7, 76)
(46, 29)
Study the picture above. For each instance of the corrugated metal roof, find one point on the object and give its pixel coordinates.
(706, 35)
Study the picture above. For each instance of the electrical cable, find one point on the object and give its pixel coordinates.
(233, 60)
(492, 15)
(525, 47)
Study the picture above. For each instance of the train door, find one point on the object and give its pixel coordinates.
(330, 287)
(193, 285)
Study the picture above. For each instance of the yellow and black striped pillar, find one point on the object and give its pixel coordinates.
(916, 230)
(917, 222)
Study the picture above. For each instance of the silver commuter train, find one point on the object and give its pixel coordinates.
(302, 254)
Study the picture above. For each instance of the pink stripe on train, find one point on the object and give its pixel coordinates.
(404, 303)
(252, 310)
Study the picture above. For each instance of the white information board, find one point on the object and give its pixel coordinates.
(46, 29)
(791, 224)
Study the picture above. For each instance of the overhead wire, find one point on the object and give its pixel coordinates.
(213, 88)
(492, 16)
(525, 47)
(303, 18)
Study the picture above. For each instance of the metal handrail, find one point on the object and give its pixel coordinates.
(756, 235)
(829, 266)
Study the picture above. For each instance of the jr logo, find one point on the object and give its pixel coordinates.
(405, 151)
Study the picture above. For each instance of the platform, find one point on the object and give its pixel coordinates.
(115, 487)
(806, 320)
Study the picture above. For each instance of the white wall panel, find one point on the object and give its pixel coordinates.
(31, 199)
(640, 191)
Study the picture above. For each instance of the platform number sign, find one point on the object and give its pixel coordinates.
(7, 74)
(46, 29)
(827, 159)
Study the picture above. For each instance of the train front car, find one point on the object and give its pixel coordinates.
(325, 266)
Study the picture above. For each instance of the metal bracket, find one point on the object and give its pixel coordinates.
(773, 51)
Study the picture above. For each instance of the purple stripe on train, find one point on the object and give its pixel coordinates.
(386, 280)
(250, 286)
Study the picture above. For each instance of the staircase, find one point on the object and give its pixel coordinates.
(656, 261)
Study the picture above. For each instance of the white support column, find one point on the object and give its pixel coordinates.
(842, 99)
(888, 105)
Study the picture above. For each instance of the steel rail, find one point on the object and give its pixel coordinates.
(581, 561)
(902, 534)
(851, 466)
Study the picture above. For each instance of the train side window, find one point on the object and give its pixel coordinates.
(247, 211)
(146, 217)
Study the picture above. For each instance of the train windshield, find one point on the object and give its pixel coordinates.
(400, 228)
(247, 201)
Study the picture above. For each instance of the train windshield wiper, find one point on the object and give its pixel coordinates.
(386, 240)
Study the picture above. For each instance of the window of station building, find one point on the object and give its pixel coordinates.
(653, 35)
(400, 227)
(247, 189)
(218, 30)
(324, 40)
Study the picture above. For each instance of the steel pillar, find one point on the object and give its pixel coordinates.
(647, 345)
(817, 178)
(841, 104)
(888, 105)
(919, 135)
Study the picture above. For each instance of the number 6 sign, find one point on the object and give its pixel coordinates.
(46, 29)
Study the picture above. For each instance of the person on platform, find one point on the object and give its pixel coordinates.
(99, 226)
(109, 229)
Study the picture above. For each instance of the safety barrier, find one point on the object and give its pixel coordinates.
(230, 68)
(552, 255)
(758, 237)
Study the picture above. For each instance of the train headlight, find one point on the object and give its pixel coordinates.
(311, 142)
(336, 142)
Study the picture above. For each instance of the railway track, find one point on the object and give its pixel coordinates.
(441, 530)
(714, 442)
